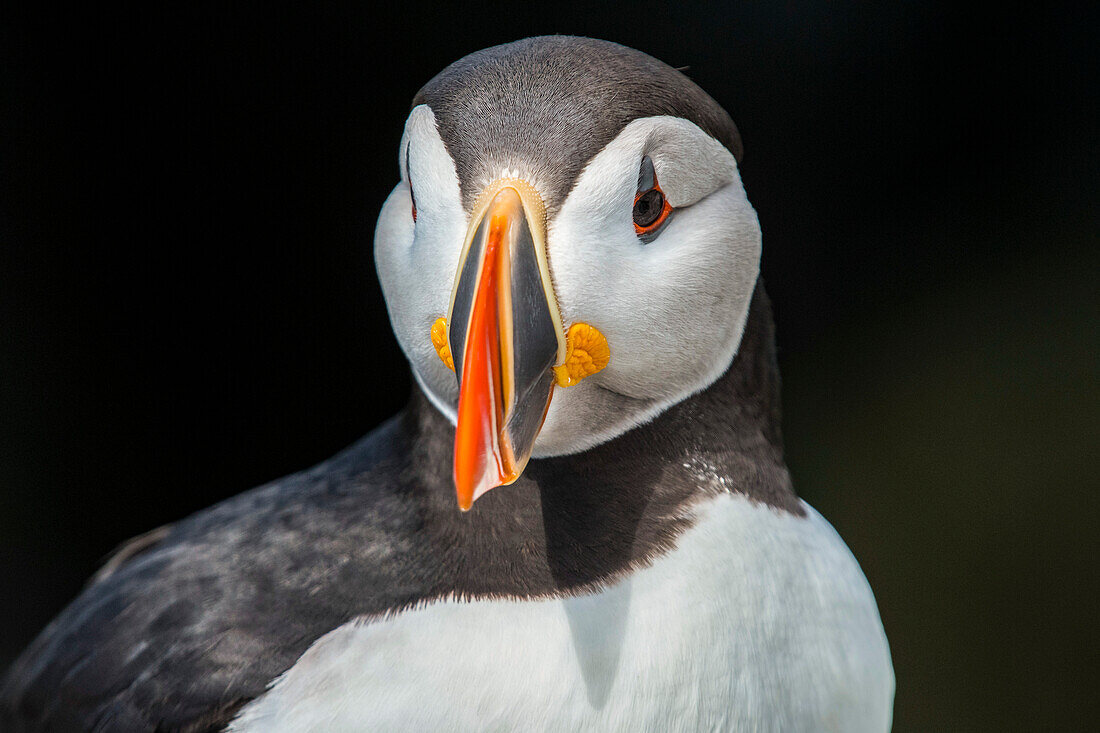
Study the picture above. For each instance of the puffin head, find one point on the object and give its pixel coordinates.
(569, 251)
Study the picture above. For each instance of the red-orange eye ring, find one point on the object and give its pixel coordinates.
(651, 210)
(651, 206)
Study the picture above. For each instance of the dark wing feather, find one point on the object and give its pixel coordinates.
(190, 623)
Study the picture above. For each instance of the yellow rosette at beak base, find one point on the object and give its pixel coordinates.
(439, 341)
(586, 352)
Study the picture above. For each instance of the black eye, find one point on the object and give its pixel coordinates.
(651, 208)
(648, 207)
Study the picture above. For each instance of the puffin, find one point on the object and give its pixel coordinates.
(582, 520)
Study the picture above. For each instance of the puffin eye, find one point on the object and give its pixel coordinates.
(408, 177)
(651, 208)
(648, 207)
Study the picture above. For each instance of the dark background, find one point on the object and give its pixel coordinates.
(188, 304)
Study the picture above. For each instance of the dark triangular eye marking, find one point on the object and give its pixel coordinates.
(647, 178)
(408, 178)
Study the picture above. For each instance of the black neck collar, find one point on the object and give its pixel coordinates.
(573, 521)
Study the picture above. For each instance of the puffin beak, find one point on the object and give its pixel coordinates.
(505, 334)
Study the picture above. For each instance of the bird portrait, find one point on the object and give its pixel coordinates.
(582, 519)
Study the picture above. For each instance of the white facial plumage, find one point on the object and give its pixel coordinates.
(672, 310)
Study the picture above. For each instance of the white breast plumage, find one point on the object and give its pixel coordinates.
(758, 620)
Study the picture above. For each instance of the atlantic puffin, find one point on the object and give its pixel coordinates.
(581, 521)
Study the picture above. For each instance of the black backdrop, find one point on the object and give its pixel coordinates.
(188, 305)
